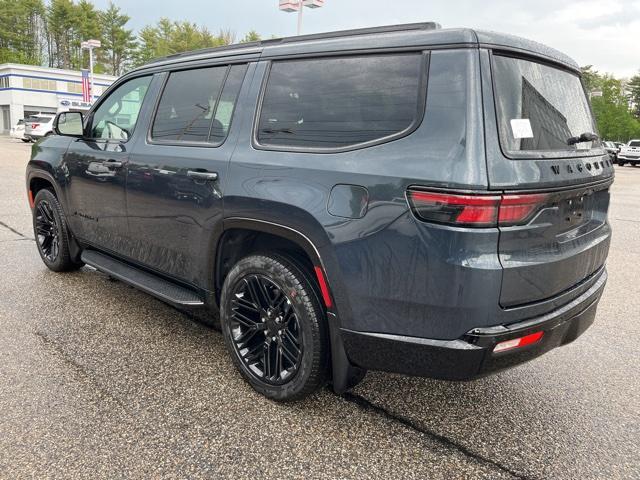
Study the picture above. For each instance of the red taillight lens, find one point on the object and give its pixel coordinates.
(474, 210)
(454, 209)
(516, 209)
(518, 342)
(35, 125)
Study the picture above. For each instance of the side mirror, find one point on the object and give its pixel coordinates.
(69, 124)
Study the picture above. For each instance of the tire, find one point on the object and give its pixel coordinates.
(274, 327)
(620, 163)
(633, 164)
(25, 140)
(51, 233)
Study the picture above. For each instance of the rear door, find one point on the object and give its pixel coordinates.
(540, 154)
(177, 173)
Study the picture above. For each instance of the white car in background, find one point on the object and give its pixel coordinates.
(629, 153)
(17, 131)
(39, 126)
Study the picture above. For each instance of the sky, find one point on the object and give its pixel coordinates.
(605, 34)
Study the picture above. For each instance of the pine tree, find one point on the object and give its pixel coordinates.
(118, 42)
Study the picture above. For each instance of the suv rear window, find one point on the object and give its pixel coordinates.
(634, 144)
(339, 102)
(539, 108)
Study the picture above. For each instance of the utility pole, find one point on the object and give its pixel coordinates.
(90, 45)
(298, 6)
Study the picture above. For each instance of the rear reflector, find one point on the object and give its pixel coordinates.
(518, 342)
(324, 288)
(474, 210)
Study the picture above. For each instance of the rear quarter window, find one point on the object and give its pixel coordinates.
(341, 102)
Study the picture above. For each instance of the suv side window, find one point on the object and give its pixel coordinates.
(117, 116)
(332, 103)
(194, 106)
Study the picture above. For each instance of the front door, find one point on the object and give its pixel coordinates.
(97, 166)
(177, 174)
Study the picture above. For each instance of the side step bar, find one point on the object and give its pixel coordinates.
(145, 281)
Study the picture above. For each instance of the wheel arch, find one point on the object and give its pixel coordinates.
(38, 179)
(226, 249)
(343, 372)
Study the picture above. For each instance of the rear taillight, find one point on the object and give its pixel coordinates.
(518, 342)
(515, 209)
(35, 125)
(474, 210)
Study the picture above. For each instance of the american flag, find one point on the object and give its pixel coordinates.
(86, 93)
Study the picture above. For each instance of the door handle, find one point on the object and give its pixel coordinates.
(211, 176)
(112, 163)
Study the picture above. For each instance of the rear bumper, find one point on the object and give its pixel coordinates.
(472, 355)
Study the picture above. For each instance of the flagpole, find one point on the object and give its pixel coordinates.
(90, 45)
(91, 75)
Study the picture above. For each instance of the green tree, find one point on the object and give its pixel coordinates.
(87, 27)
(615, 121)
(21, 23)
(634, 95)
(61, 20)
(251, 36)
(118, 42)
(167, 38)
(591, 79)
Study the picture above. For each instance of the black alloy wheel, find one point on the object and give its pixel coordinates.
(265, 330)
(51, 233)
(274, 326)
(47, 231)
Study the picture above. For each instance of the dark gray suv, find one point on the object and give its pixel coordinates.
(408, 198)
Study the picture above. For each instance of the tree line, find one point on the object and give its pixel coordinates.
(37, 33)
(615, 104)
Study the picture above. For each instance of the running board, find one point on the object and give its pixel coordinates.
(145, 281)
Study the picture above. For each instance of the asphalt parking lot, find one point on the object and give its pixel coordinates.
(98, 380)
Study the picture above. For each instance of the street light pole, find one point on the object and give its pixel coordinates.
(300, 10)
(298, 6)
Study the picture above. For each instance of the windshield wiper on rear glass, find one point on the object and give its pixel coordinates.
(584, 137)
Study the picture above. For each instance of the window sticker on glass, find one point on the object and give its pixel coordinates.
(521, 128)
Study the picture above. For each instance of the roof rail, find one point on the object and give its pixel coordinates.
(301, 38)
(232, 46)
(358, 31)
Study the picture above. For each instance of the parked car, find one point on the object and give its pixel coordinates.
(629, 153)
(612, 149)
(409, 199)
(17, 131)
(39, 126)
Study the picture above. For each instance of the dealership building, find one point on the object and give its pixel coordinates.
(28, 90)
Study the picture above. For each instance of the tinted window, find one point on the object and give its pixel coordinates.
(226, 104)
(117, 116)
(338, 102)
(634, 144)
(192, 108)
(539, 107)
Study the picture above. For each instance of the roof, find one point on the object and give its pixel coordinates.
(393, 36)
